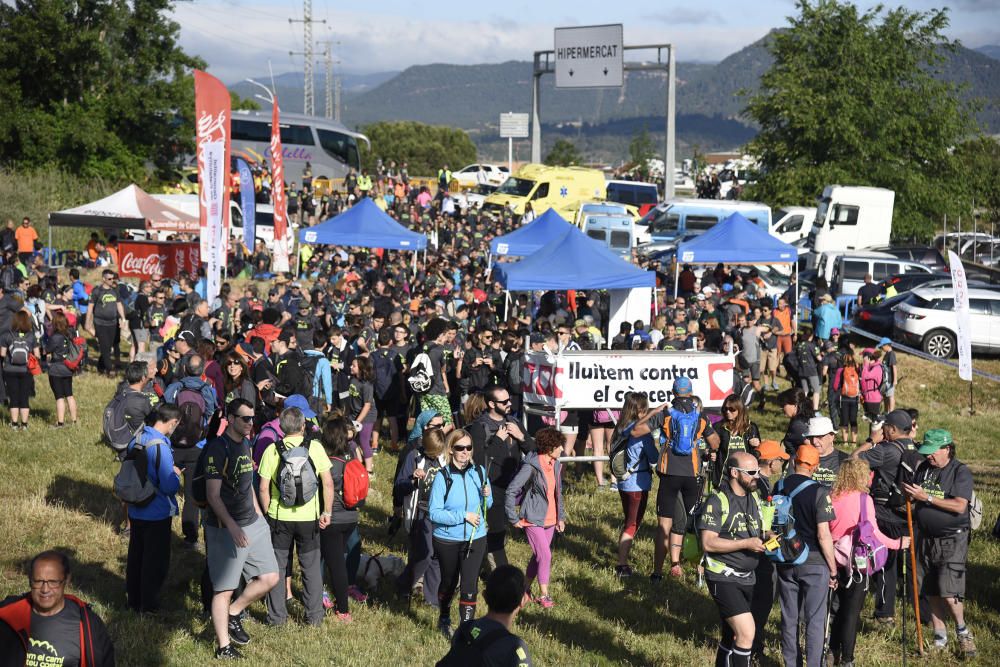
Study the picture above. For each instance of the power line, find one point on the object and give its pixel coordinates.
(307, 21)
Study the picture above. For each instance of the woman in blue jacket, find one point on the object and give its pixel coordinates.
(537, 488)
(460, 496)
(641, 455)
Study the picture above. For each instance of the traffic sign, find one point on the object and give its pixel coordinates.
(589, 57)
(513, 125)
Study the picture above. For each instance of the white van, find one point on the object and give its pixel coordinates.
(792, 223)
(850, 269)
(851, 217)
(675, 217)
(616, 232)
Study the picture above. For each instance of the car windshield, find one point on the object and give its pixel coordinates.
(516, 186)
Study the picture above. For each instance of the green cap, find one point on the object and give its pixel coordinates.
(935, 439)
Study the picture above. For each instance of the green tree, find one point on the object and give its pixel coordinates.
(425, 147)
(980, 164)
(641, 150)
(563, 154)
(851, 99)
(99, 88)
(246, 103)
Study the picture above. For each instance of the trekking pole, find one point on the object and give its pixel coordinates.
(826, 627)
(902, 637)
(913, 569)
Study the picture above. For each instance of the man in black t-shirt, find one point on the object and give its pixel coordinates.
(803, 589)
(870, 292)
(821, 434)
(106, 319)
(237, 538)
(488, 641)
(731, 531)
(942, 493)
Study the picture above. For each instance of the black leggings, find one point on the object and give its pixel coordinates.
(459, 559)
(20, 388)
(333, 543)
(849, 412)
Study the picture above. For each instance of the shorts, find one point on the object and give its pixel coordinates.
(809, 384)
(732, 598)
(227, 562)
(570, 422)
(439, 404)
(769, 362)
(784, 344)
(666, 495)
(390, 406)
(944, 564)
(872, 410)
(140, 335)
(752, 366)
(890, 391)
(62, 387)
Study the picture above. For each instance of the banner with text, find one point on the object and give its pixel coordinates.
(248, 203)
(964, 326)
(278, 179)
(151, 260)
(600, 379)
(212, 109)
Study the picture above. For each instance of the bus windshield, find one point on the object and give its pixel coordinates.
(516, 186)
(340, 146)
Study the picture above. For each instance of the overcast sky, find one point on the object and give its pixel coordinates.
(238, 37)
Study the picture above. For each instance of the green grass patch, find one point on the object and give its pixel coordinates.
(55, 488)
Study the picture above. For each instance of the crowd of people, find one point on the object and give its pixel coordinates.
(257, 417)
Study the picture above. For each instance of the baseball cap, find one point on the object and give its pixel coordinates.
(187, 336)
(682, 387)
(819, 426)
(537, 337)
(899, 419)
(700, 297)
(579, 323)
(885, 341)
(807, 455)
(935, 439)
(835, 331)
(299, 401)
(771, 449)
(286, 335)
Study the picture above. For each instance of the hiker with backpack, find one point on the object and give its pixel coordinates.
(731, 533)
(534, 501)
(19, 352)
(387, 365)
(488, 641)
(460, 497)
(106, 320)
(335, 537)
(679, 469)
(499, 444)
(361, 406)
(64, 349)
(426, 376)
(872, 377)
(797, 407)
(289, 377)
(890, 369)
(942, 493)
(412, 487)
(737, 433)
(318, 377)
(855, 536)
(805, 560)
(846, 385)
(292, 472)
(639, 455)
(149, 539)
(821, 435)
(892, 461)
(237, 537)
(808, 356)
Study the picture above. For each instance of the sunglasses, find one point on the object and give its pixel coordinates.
(246, 419)
(461, 448)
(749, 473)
(731, 410)
(505, 401)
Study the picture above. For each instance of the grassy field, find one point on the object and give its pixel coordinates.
(55, 489)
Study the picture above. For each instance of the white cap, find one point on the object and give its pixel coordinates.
(819, 426)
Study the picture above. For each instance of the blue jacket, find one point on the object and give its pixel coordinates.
(642, 454)
(164, 505)
(827, 318)
(535, 503)
(447, 507)
(206, 390)
(323, 382)
(80, 296)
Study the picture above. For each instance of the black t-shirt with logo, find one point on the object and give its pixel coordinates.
(811, 507)
(105, 303)
(55, 640)
(230, 461)
(826, 472)
(741, 521)
(952, 481)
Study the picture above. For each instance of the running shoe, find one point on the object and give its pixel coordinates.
(342, 618)
(236, 631)
(228, 652)
(356, 594)
(623, 571)
(444, 627)
(967, 645)
(327, 602)
(545, 601)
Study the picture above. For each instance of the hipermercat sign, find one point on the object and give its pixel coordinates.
(589, 57)
(600, 378)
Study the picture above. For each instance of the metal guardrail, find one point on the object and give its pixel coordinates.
(919, 353)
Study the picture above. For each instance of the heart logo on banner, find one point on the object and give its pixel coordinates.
(720, 379)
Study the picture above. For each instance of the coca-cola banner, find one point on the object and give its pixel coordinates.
(152, 260)
(212, 108)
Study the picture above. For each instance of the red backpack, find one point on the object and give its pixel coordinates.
(354, 488)
(76, 352)
(850, 382)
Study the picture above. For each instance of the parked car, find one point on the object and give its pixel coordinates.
(474, 196)
(792, 223)
(849, 270)
(480, 174)
(878, 318)
(928, 320)
(927, 255)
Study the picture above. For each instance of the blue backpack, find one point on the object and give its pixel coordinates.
(791, 550)
(683, 431)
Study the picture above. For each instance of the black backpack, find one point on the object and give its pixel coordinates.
(18, 354)
(514, 373)
(308, 388)
(470, 645)
(386, 374)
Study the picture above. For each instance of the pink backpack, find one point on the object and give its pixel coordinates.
(862, 552)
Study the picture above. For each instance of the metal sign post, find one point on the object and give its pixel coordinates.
(586, 57)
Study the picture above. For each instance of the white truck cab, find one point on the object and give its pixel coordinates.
(851, 217)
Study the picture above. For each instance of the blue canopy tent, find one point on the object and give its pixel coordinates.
(572, 261)
(735, 240)
(364, 225)
(530, 238)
